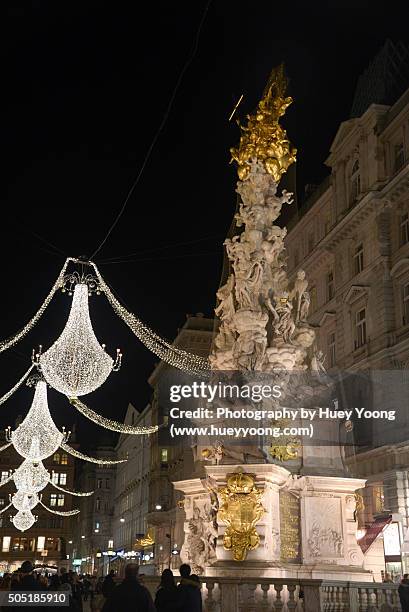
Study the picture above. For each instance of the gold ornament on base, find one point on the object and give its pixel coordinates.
(240, 509)
(264, 138)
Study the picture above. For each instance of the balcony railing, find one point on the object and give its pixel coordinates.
(290, 595)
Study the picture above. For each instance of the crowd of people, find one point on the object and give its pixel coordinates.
(107, 594)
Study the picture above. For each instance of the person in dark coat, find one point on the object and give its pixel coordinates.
(403, 591)
(27, 582)
(190, 590)
(108, 585)
(168, 597)
(130, 595)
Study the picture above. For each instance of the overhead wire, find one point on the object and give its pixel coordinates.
(162, 124)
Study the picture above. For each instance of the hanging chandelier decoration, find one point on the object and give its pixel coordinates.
(22, 500)
(23, 520)
(37, 437)
(76, 364)
(31, 477)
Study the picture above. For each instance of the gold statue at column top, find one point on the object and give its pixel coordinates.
(263, 138)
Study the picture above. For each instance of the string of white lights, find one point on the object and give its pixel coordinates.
(6, 508)
(78, 455)
(6, 396)
(109, 423)
(169, 353)
(76, 493)
(60, 512)
(9, 342)
(2, 448)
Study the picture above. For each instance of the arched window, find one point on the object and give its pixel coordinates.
(355, 182)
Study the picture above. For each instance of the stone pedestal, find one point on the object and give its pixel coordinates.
(322, 536)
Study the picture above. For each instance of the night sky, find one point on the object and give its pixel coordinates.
(86, 86)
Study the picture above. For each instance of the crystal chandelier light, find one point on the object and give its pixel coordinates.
(37, 437)
(76, 364)
(22, 500)
(23, 520)
(31, 477)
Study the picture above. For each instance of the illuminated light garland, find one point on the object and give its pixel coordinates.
(37, 437)
(2, 448)
(24, 501)
(76, 493)
(31, 477)
(109, 423)
(79, 455)
(23, 520)
(9, 342)
(76, 364)
(169, 353)
(60, 512)
(6, 396)
(6, 508)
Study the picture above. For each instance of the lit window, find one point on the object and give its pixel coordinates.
(64, 459)
(359, 258)
(63, 478)
(4, 476)
(56, 458)
(405, 300)
(331, 349)
(53, 499)
(96, 525)
(378, 499)
(404, 229)
(54, 477)
(330, 285)
(40, 542)
(399, 156)
(164, 455)
(360, 328)
(60, 500)
(110, 544)
(6, 544)
(355, 182)
(1, 501)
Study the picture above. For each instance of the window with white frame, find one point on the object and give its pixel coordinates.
(63, 478)
(404, 229)
(360, 328)
(398, 156)
(359, 258)
(60, 500)
(330, 285)
(6, 544)
(2, 502)
(53, 499)
(331, 354)
(4, 476)
(405, 304)
(355, 188)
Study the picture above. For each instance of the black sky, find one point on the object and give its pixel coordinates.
(86, 85)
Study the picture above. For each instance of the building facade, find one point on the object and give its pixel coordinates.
(131, 494)
(352, 239)
(92, 528)
(47, 543)
(169, 464)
